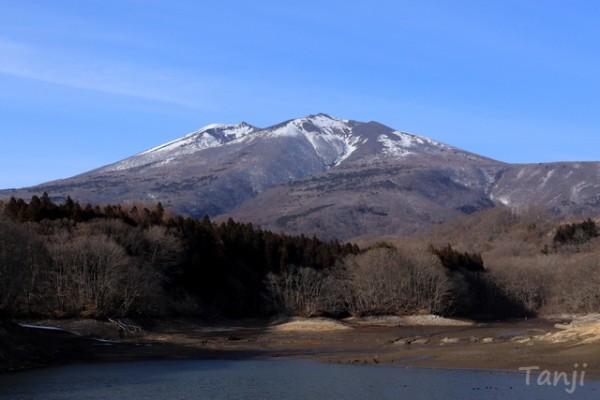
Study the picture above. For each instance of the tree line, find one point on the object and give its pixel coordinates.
(534, 257)
(69, 260)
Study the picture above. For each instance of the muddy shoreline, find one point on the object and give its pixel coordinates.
(497, 346)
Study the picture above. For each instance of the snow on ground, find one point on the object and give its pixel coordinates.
(188, 139)
(395, 148)
(210, 136)
(331, 137)
(400, 143)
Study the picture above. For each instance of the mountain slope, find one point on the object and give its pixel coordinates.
(568, 187)
(326, 176)
(380, 200)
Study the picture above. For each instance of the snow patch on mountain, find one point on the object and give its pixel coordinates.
(401, 144)
(351, 144)
(289, 130)
(199, 138)
(433, 143)
(576, 191)
(546, 178)
(330, 137)
(212, 135)
(396, 147)
(329, 124)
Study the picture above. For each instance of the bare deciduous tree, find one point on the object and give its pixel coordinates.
(577, 285)
(388, 281)
(526, 280)
(86, 272)
(297, 291)
(23, 263)
(93, 275)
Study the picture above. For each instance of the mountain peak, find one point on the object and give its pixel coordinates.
(324, 117)
(320, 115)
(331, 138)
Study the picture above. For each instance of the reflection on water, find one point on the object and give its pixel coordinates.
(280, 379)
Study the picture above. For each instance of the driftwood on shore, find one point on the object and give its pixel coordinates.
(126, 326)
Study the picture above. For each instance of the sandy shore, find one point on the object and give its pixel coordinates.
(428, 341)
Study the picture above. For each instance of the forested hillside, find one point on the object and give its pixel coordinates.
(72, 260)
(68, 260)
(546, 265)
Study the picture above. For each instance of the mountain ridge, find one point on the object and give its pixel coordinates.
(327, 176)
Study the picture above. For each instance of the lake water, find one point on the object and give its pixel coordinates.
(278, 379)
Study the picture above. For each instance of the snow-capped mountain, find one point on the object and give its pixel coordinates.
(333, 140)
(330, 138)
(327, 176)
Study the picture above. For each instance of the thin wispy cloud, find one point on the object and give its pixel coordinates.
(24, 61)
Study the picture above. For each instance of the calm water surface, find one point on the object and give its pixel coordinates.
(279, 379)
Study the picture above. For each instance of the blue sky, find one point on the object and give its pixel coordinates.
(87, 83)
